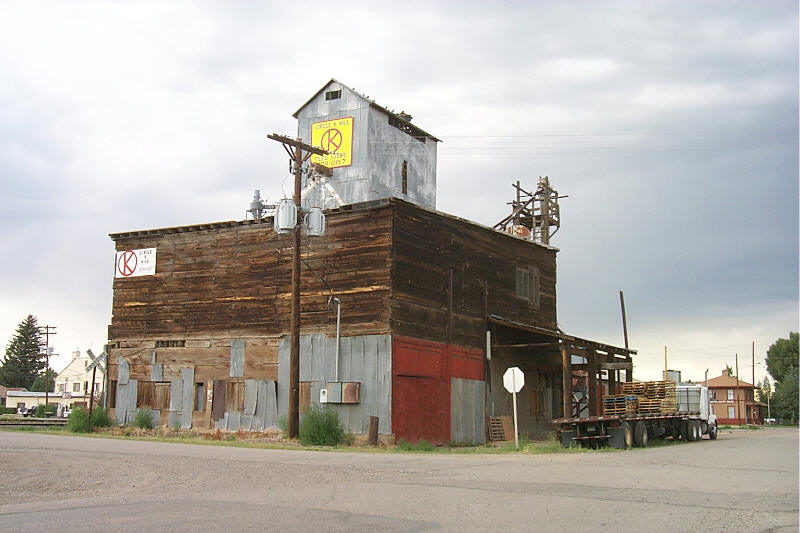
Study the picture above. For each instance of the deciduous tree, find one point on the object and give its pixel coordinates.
(782, 356)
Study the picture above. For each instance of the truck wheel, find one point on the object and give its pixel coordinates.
(685, 433)
(628, 434)
(698, 430)
(640, 436)
(692, 430)
(712, 432)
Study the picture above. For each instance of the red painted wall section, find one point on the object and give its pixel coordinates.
(466, 363)
(421, 372)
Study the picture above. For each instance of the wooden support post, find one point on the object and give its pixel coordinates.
(592, 363)
(91, 397)
(373, 431)
(566, 369)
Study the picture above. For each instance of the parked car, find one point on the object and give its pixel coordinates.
(28, 411)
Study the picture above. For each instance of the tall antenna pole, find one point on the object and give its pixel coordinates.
(545, 185)
(298, 158)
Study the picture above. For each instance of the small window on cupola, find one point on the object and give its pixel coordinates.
(333, 95)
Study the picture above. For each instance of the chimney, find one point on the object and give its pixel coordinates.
(76, 354)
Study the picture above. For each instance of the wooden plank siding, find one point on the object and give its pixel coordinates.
(232, 280)
(430, 247)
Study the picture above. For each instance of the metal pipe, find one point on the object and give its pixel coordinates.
(338, 332)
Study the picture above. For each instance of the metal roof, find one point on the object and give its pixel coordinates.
(414, 130)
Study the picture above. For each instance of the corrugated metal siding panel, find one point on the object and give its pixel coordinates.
(467, 412)
(364, 359)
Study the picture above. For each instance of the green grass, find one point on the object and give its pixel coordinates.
(743, 426)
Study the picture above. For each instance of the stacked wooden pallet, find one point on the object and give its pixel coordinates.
(620, 404)
(649, 405)
(636, 388)
(665, 393)
(649, 397)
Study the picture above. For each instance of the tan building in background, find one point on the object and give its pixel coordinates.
(73, 387)
(733, 401)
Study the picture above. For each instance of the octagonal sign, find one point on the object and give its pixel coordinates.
(513, 380)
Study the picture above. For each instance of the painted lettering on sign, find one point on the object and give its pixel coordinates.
(132, 263)
(335, 136)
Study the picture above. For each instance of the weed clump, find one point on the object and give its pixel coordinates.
(100, 418)
(320, 427)
(79, 421)
(143, 419)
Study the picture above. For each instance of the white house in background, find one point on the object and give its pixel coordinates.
(73, 387)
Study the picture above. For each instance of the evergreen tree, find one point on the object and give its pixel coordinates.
(38, 383)
(23, 361)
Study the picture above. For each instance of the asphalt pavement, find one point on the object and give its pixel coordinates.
(745, 481)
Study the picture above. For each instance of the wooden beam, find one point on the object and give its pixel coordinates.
(566, 369)
(616, 366)
(592, 357)
(527, 345)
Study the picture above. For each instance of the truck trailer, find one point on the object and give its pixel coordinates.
(646, 410)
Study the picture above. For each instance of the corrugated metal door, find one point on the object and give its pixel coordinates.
(423, 410)
(420, 391)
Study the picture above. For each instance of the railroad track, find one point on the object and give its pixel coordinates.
(35, 422)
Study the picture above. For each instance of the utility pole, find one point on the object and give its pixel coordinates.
(738, 399)
(298, 152)
(48, 330)
(754, 385)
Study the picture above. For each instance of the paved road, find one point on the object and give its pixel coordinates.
(745, 481)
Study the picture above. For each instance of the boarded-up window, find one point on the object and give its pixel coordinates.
(527, 285)
(112, 393)
(199, 396)
(153, 394)
(146, 392)
(161, 395)
(234, 396)
(218, 399)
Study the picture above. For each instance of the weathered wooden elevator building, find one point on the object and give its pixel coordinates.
(434, 308)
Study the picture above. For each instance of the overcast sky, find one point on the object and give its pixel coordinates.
(672, 126)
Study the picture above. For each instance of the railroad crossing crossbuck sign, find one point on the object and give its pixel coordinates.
(98, 361)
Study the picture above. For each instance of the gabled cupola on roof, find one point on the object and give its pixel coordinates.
(375, 153)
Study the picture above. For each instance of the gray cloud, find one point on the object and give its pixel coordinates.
(672, 126)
